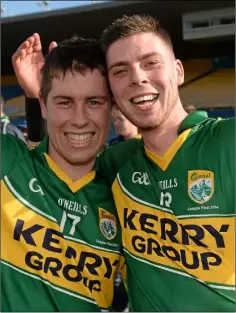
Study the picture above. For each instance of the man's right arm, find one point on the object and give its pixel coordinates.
(35, 123)
(27, 62)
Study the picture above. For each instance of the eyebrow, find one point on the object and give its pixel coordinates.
(61, 97)
(97, 97)
(141, 58)
(58, 97)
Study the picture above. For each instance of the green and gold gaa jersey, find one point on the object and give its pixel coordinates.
(177, 214)
(60, 241)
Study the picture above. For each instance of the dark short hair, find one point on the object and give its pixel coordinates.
(130, 25)
(76, 54)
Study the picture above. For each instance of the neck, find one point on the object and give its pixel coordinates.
(159, 139)
(76, 171)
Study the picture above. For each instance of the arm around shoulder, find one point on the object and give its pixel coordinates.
(115, 157)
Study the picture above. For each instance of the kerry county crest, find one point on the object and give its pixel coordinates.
(107, 223)
(200, 185)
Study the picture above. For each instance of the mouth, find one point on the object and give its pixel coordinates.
(145, 101)
(79, 140)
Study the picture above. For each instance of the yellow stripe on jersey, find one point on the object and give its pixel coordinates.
(32, 145)
(202, 247)
(164, 161)
(35, 244)
(73, 185)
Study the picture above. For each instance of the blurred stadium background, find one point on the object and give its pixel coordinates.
(203, 34)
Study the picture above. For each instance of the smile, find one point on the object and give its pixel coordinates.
(79, 139)
(145, 102)
(142, 99)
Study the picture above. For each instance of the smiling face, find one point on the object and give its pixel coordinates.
(77, 112)
(144, 78)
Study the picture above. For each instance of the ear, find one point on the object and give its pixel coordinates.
(179, 72)
(43, 108)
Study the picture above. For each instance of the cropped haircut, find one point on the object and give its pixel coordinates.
(131, 25)
(76, 54)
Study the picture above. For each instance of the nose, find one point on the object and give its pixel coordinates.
(79, 116)
(138, 77)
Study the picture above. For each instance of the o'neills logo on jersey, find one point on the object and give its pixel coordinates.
(107, 223)
(200, 185)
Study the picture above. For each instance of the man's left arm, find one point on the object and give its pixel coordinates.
(226, 135)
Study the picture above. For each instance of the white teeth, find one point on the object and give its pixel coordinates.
(144, 98)
(76, 138)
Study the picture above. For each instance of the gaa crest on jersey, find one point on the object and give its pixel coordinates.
(200, 185)
(107, 223)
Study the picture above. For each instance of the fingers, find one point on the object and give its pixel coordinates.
(32, 41)
(52, 45)
(36, 42)
(20, 52)
(30, 45)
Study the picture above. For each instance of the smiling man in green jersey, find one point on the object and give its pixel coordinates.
(60, 239)
(175, 196)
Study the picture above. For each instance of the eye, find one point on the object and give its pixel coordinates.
(151, 63)
(66, 103)
(94, 102)
(119, 72)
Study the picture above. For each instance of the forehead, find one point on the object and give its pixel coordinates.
(75, 84)
(133, 47)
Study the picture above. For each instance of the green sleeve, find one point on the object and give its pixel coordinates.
(226, 135)
(113, 158)
(13, 151)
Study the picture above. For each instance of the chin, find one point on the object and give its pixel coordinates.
(143, 122)
(80, 159)
(149, 125)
